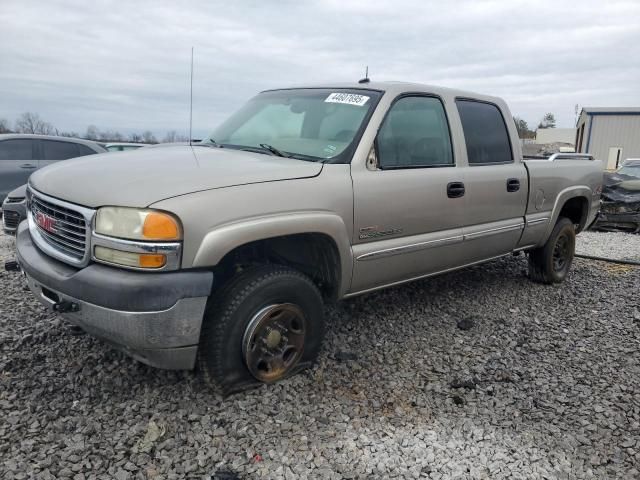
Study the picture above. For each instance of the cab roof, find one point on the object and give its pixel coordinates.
(396, 88)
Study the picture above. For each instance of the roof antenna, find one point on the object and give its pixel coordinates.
(191, 101)
(366, 76)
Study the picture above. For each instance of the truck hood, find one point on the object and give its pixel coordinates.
(141, 177)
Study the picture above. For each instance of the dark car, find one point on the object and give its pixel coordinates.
(14, 209)
(620, 208)
(22, 154)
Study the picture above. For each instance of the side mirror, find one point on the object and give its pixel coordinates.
(372, 159)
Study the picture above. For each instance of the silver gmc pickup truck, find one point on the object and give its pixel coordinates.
(221, 254)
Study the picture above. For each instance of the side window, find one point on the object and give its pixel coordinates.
(415, 133)
(54, 150)
(16, 149)
(485, 133)
(84, 150)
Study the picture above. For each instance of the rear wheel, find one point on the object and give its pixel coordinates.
(263, 326)
(551, 263)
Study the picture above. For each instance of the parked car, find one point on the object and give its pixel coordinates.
(122, 146)
(14, 209)
(22, 154)
(225, 252)
(620, 207)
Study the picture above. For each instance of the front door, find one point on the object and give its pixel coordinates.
(409, 204)
(16, 163)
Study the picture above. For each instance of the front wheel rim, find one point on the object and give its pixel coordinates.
(273, 342)
(561, 253)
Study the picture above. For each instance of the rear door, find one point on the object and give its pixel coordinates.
(496, 182)
(56, 150)
(16, 163)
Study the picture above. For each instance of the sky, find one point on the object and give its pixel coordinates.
(125, 65)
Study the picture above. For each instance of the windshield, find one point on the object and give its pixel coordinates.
(311, 124)
(631, 170)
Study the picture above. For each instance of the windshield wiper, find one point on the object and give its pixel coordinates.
(274, 150)
(209, 142)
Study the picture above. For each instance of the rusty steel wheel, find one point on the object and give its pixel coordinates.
(273, 342)
(265, 324)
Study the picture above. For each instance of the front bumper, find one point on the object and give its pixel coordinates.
(154, 317)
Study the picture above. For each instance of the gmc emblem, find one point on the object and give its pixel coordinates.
(45, 222)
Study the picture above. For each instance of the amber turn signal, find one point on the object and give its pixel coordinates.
(148, 260)
(160, 226)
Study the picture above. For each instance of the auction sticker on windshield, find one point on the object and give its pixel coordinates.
(348, 98)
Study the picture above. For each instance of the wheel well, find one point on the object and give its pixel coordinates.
(314, 254)
(576, 209)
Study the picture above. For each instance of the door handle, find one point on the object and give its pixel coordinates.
(513, 185)
(455, 190)
(28, 165)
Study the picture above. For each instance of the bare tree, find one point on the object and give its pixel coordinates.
(148, 137)
(30, 122)
(92, 133)
(173, 136)
(548, 121)
(170, 137)
(70, 134)
(135, 137)
(118, 137)
(4, 126)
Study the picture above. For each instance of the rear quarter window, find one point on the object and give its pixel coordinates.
(84, 150)
(485, 133)
(56, 150)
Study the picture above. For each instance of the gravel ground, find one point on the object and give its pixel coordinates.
(619, 245)
(475, 374)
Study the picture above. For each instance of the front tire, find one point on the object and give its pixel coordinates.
(551, 263)
(263, 326)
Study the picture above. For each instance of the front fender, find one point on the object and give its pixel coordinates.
(223, 239)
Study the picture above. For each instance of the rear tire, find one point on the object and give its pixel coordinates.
(265, 325)
(551, 262)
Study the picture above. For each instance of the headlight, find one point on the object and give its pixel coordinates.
(136, 224)
(141, 239)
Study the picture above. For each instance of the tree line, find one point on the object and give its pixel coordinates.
(30, 122)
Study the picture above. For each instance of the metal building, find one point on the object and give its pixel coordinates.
(609, 134)
(556, 135)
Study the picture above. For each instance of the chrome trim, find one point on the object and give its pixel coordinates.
(40, 240)
(537, 221)
(410, 248)
(526, 247)
(492, 231)
(570, 156)
(172, 250)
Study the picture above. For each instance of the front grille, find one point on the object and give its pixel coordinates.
(61, 227)
(10, 219)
